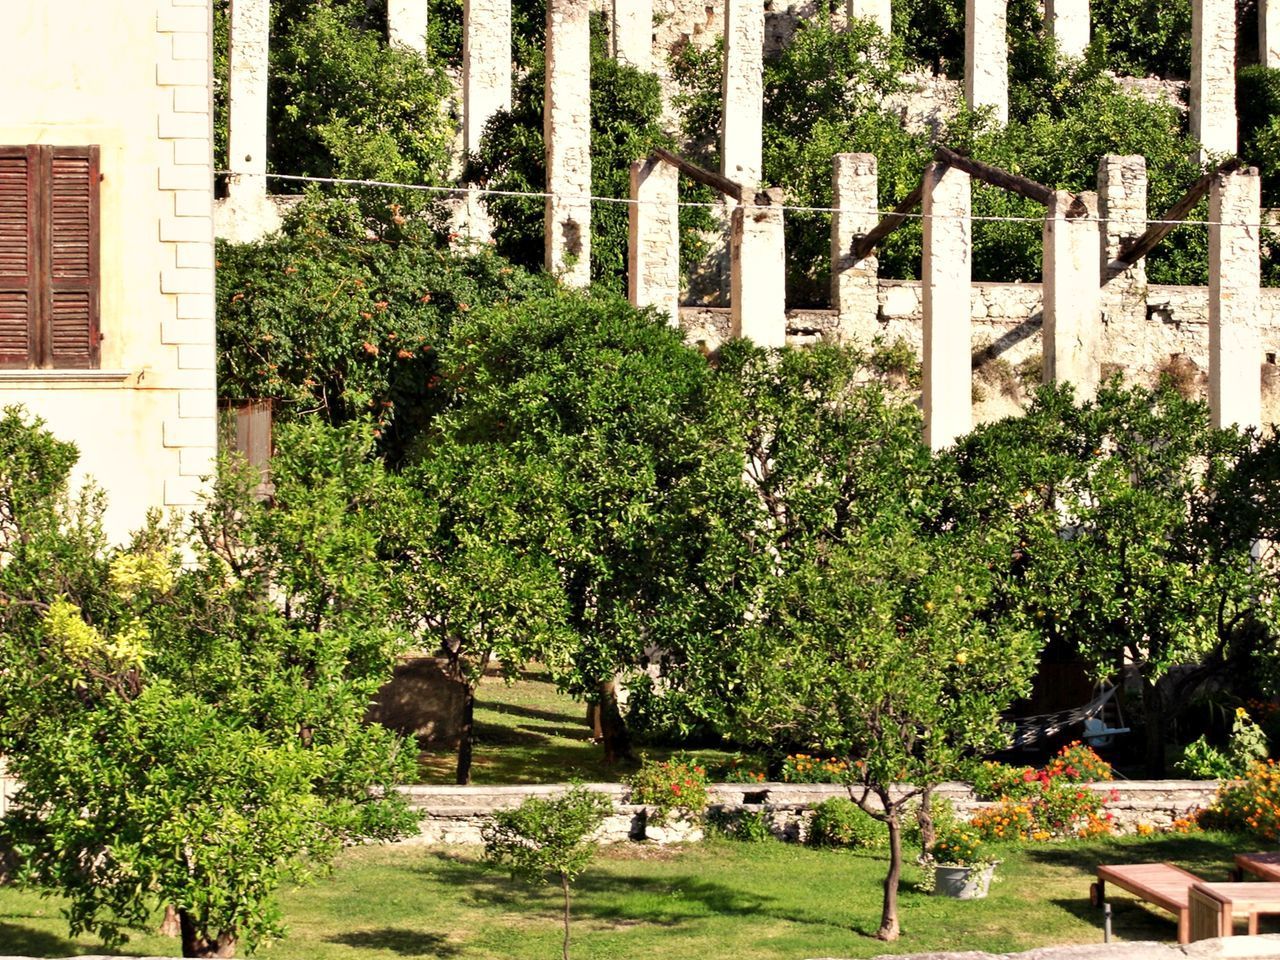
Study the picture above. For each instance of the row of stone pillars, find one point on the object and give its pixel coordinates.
(1083, 277)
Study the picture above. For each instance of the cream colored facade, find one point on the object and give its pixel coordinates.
(133, 77)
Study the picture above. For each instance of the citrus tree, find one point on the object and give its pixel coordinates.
(185, 714)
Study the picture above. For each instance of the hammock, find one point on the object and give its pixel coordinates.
(1028, 731)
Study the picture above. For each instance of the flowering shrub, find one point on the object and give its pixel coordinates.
(1007, 820)
(960, 847)
(668, 786)
(1253, 804)
(1079, 764)
(1055, 799)
(739, 770)
(802, 768)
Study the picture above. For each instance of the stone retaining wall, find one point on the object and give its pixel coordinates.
(451, 814)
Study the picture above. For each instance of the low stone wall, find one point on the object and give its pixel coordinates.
(451, 814)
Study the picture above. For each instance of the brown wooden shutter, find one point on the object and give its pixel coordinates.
(19, 255)
(72, 259)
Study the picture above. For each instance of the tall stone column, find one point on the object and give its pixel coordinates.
(1269, 33)
(1122, 208)
(878, 11)
(758, 274)
(1213, 74)
(742, 92)
(946, 275)
(247, 101)
(566, 130)
(1068, 22)
(407, 24)
(653, 238)
(1235, 345)
(1072, 309)
(986, 56)
(632, 38)
(853, 282)
(486, 66)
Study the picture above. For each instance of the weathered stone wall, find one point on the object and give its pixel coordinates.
(1171, 336)
(457, 814)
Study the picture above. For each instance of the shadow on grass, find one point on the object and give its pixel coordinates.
(407, 943)
(1207, 855)
(666, 902)
(570, 725)
(24, 941)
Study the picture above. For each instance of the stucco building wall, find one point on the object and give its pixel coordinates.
(131, 76)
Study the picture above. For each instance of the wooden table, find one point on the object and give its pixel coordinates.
(1214, 905)
(1161, 884)
(1265, 866)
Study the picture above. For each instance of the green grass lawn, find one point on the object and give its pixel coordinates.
(637, 902)
(528, 732)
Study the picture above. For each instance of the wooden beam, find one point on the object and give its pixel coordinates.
(863, 246)
(702, 175)
(1134, 251)
(1012, 182)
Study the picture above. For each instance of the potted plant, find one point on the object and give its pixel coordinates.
(962, 869)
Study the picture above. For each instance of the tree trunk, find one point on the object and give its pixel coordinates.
(465, 736)
(613, 730)
(564, 883)
(924, 817)
(169, 926)
(196, 943)
(889, 916)
(1153, 719)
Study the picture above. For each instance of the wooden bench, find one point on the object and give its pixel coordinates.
(1161, 884)
(1214, 906)
(1265, 866)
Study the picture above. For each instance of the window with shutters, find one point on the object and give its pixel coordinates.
(49, 273)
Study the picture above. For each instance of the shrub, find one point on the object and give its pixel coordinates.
(802, 768)
(745, 826)
(669, 786)
(839, 822)
(1252, 805)
(1006, 820)
(1077, 763)
(941, 811)
(1247, 746)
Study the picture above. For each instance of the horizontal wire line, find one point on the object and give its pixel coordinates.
(536, 195)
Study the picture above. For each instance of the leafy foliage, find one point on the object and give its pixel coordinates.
(1116, 553)
(350, 329)
(839, 822)
(671, 785)
(193, 734)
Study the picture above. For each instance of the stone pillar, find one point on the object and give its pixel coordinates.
(758, 273)
(945, 280)
(1213, 75)
(566, 130)
(1068, 22)
(1122, 208)
(247, 101)
(486, 66)
(653, 238)
(632, 38)
(878, 11)
(742, 92)
(407, 24)
(1235, 346)
(1072, 309)
(1269, 33)
(853, 282)
(986, 56)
